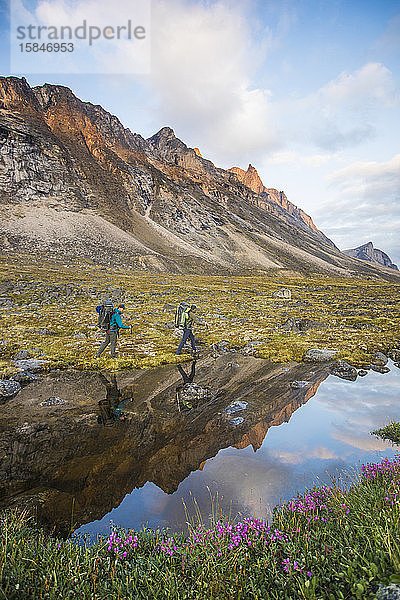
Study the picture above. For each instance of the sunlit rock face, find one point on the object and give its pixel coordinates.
(75, 181)
(64, 455)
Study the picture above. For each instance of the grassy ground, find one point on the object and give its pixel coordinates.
(327, 544)
(356, 317)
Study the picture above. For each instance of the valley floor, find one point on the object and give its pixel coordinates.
(48, 309)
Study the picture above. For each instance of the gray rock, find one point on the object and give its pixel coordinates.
(283, 293)
(235, 407)
(362, 372)
(80, 336)
(299, 325)
(236, 421)
(380, 369)
(21, 355)
(24, 377)
(298, 385)
(34, 365)
(342, 369)
(8, 388)
(53, 401)
(388, 592)
(250, 349)
(45, 331)
(380, 359)
(319, 354)
(170, 325)
(394, 354)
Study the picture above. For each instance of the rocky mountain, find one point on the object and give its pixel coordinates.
(252, 180)
(75, 182)
(370, 254)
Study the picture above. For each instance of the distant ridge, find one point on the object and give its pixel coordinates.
(370, 254)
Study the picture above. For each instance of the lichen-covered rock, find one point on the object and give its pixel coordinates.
(362, 372)
(394, 354)
(24, 377)
(53, 401)
(8, 388)
(21, 355)
(342, 369)
(388, 592)
(319, 355)
(380, 359)
(283, 293)
(380, 369)
(34, 365)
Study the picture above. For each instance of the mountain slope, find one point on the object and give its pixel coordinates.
(74, 181)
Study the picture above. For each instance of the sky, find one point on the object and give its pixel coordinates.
(307, 91)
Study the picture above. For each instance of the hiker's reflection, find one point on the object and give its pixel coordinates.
(112, 406)
(188, 394)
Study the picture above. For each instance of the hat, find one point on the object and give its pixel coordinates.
(193, 306)
(121, 305)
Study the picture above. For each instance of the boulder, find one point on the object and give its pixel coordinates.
(298, 385)
(380, 359)
(33, 365)
(283, 293)
(380, 369)
(394, 354)
(299, 325)
(319, 355)
(8, 388)
(397, 364)
(235, 407)
(362, 372)
(236, 421)
(53, 401)
(250, 349)
(388, 592)
(342, 369)
(24, 377)
(21, 355)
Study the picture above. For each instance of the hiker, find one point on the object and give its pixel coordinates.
(189, 318)
(112, 330)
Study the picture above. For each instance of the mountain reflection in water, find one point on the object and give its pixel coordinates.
(163, 425)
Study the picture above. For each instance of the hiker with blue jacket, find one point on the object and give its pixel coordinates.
(112, 329)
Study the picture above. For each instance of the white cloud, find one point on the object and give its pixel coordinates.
(203, 61)
(364, 205)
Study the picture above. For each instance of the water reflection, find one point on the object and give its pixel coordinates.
(112, 406)
(59, 458)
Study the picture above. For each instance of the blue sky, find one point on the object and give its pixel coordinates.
(307, 91)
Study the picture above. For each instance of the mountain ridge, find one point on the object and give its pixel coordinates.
(368, 253)
(75, 181)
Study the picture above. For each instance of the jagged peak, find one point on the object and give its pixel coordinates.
(164, 134)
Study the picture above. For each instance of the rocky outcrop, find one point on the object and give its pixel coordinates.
(75, 182)
(252, 180)
(370, 254)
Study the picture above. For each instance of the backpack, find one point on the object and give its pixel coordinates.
(181, 314)
(105, 311)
